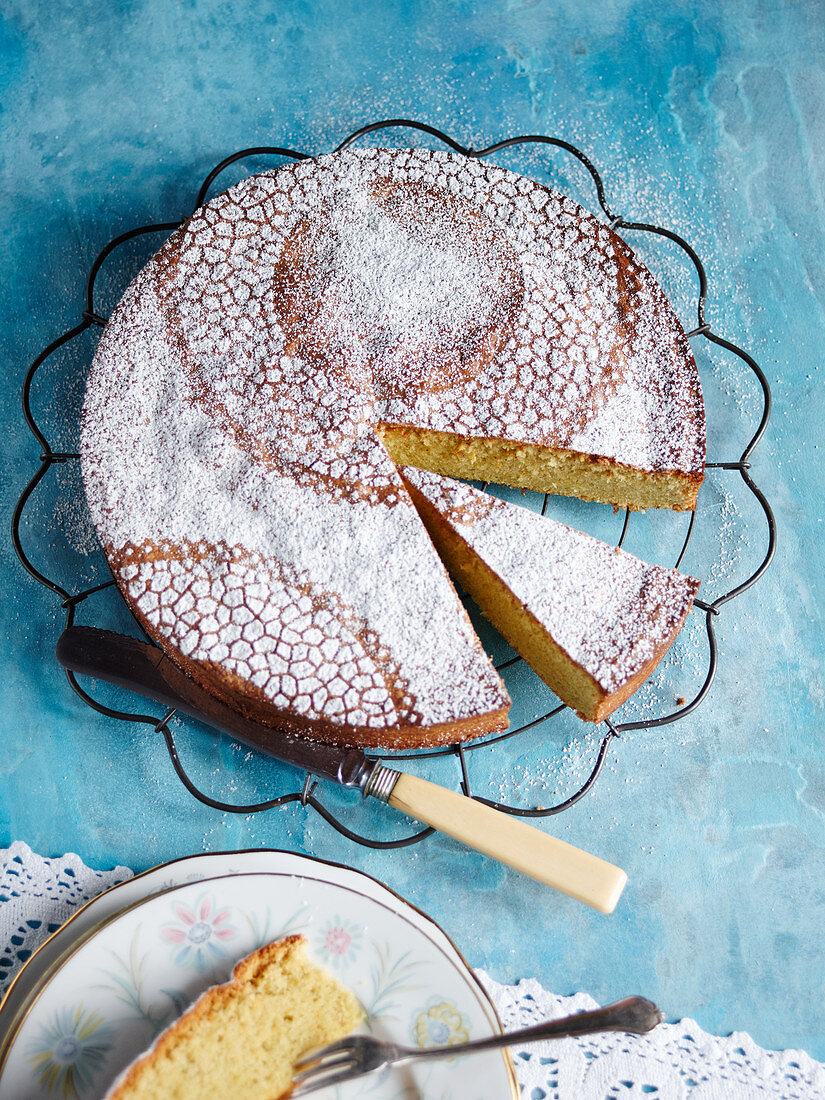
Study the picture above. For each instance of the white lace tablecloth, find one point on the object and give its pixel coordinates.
(676, 1062)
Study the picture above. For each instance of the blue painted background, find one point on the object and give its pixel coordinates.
(706, 117)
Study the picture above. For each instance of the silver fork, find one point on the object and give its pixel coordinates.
(360, 1054)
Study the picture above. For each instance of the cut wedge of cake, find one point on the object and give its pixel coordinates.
(240, 1041)
(592, 620)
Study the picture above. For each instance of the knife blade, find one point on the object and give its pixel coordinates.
(145, 669)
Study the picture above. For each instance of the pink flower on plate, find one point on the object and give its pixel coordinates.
(339, 941)
(198, 933)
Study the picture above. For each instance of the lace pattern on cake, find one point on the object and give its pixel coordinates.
(161, 469)
(299, 645)
(318, 284)
(254, 361)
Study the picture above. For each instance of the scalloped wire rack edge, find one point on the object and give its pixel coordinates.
(306, 796)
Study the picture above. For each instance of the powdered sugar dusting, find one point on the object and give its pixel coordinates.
(608, 610)
(295, 591)
(347, 284)
(236, 395)
(398, 274)
(299, 646)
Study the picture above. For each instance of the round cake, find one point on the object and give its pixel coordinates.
(296, 340)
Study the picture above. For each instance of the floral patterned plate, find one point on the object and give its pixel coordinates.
(107, 1000)
(163, 877)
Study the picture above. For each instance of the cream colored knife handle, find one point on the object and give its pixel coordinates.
(505, 838)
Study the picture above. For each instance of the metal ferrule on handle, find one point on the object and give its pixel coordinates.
(381, 782)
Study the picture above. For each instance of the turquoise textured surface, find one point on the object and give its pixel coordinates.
(706, 118)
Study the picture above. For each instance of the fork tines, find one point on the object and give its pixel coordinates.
(325, 1066)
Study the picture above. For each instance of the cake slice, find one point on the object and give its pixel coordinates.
(592, 620)
(241, 1040)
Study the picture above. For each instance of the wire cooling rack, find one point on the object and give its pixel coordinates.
(69, 601)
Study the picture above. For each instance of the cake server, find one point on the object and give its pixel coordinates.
(145, 669)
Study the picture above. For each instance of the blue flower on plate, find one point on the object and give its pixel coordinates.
(441, 1024)
(70, 1051)
(198, 933)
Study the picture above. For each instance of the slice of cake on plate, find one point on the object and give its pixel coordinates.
(592, 620)
(240, 1041)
